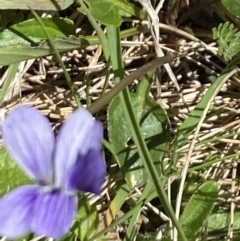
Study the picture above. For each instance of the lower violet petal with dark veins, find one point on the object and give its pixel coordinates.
(53, 213)
(16, 210)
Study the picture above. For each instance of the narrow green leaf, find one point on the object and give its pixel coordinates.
(117, 202)
(191, 122)
(132, 230)
(87, 220)
(198, 208)
(11, 72)
(101, 35)
(194, 117)
(55, 50)
(148, 194)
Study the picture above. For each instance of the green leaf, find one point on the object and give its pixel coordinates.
(219, 221)
(153, 121)
(35, 47)
(11, 73)
(199, 208)
(36, 5)
(228, 40)
(87, 220)
(233, 6)
(195, 116)
(132, 229)
(29, 41)
(30, 31)
(31, 28)
(24, 51)
(108, 11)
(218, 224)
(11, 176)
(117, 202)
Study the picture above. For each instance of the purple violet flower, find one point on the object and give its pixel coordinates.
(60, 167)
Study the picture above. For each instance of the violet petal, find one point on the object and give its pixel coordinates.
(30, 141)
(16, 211)
(88, 173)
(80, 133)
(53, 213)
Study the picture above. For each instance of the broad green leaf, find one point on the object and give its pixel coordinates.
(153, 121)
(233, 6)
(31, 28)
(198, 208)
(29, 41)
(108, 11)
(218, 224)
(11, 176)
(219, 221)
(36, 4)
(24, 51)
(30, 32)
(87, 220)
